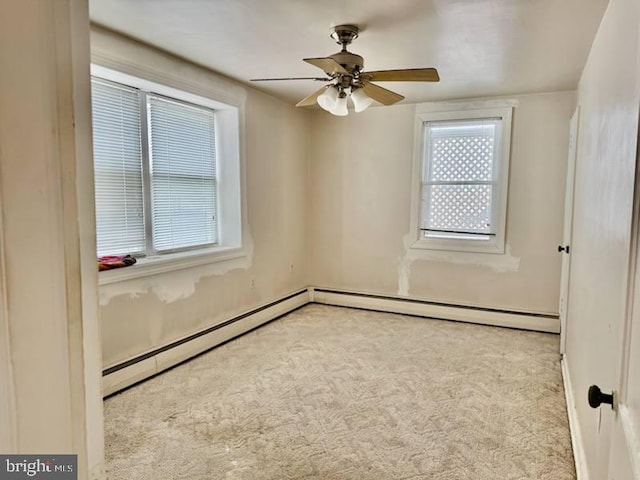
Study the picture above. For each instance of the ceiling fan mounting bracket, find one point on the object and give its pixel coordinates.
(344, 34)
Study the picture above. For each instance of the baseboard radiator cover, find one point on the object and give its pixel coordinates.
(422, 308)
(122, 375)
(577, 444)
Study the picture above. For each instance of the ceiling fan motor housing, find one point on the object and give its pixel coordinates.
(350, 61)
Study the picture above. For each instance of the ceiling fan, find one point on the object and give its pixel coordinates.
(348, 79)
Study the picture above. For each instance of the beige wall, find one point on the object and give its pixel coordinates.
(49, 332)
(360, 177)
(605, 171)
(141, 314)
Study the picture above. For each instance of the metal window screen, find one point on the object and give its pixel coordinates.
(459, 183)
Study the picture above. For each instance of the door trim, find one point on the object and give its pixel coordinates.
(631, 437)
(8, 434)
(577, 442)
(572, 161)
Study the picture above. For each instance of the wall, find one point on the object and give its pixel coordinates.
(49, 333)
(360, 171)
(605, 170)
(142, 314)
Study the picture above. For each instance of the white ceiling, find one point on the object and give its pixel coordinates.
(480, 47)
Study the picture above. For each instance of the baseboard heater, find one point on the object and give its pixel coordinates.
(125, 374)
(540, 322)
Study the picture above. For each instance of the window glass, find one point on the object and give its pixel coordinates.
(460, 178)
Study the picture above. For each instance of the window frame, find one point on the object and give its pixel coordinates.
(231, 204)
(460, 111)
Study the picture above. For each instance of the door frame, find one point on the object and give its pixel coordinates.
(572, 157)
(8, 440)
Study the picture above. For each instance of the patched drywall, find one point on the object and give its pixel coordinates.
(141, 314)
(180, 283)
(497, 263)
(360, 200)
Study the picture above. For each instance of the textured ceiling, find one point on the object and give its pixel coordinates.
(480, 47)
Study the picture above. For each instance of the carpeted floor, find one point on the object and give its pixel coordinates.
(340, 394)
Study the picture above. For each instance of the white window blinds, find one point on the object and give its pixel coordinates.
(117, 154)
(155, 172)
(459, 188)
(183, 174)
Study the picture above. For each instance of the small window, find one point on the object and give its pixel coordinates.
(167, 173)
(463, 164)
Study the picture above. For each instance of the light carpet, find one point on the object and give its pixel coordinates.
(341, 394)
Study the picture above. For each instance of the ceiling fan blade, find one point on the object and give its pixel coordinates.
(329, 65)
(311, 99)
(405, 75)
(318, 79)
(382, 95)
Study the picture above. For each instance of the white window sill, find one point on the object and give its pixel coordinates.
(493, 246)
(167, 263)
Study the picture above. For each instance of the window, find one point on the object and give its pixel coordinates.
(117, 156)
(166, 167)
(182, 175)
(463, 161)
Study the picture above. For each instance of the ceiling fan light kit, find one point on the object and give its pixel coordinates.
(361, 101)
(335, 101)
(340, 108)
(348, 79)
(328, 99)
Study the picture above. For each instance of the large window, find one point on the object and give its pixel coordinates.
(155, 172)
(158, 154)
(463, 166)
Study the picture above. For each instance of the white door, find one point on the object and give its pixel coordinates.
(602, 332)
(624, 450)
(565, 248)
